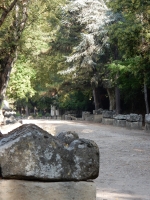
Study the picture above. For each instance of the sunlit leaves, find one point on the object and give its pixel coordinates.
(20, 86)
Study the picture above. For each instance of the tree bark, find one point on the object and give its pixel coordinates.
(10, 54)
(27, 110)
(6, 66)
(96, 103)
(111, 94)
(6, 11)
(117, 94)
(146, 98)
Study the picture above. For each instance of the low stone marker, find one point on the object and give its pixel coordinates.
(10, 120)
(87, 116)
(147, 122)
(120, 120)
(97, 118)
(107, 117)
(134, 121)
(30, 153)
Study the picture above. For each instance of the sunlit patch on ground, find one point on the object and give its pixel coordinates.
(114, 195)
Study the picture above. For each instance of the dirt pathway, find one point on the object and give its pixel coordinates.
(124, 157)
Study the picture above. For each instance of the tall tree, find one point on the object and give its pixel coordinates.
(24, 29)
(132, 36)
(13, 21)
(88, 55)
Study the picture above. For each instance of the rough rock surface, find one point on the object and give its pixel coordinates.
(108, 114)
(33, 190)
(85, 115)
(98, 112)
(10, 120)
(120, 117)
(29, 152)
(119, 123)
(134, 118)
(67, 137)
(147, 118)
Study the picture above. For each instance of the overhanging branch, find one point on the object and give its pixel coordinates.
(6, 12)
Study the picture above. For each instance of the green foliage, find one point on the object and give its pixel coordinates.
(132, 33)
(100, 45)
(76, 100)
(20, 85)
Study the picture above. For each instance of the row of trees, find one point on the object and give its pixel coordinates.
(72, 53)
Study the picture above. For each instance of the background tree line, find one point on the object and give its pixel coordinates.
(77, 55)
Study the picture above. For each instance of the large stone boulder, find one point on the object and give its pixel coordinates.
(29, 152)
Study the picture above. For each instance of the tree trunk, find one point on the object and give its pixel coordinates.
(10, 54)
(27, 111)
(6, 11)
(6, 66)
(96, 103)
(146, 98)
(111, 94)
(54, 112)
(117, 95)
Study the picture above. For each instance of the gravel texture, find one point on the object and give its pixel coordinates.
(124, 157)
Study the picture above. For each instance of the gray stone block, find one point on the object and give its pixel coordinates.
(67, 117)
(85, 115)
(120, 117)
(119, 123)
(134, 118)
(147, 127)
(29, 190)
(107, 121)
(98, 112)
(97, 118)
(10, 120)
(89, 117)
(134, 125)
(147, 118)
(108, 113)
(59, 117)
(29, 152)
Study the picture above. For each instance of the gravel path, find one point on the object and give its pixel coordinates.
(124, 157)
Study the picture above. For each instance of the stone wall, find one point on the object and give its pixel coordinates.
(107, 117)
